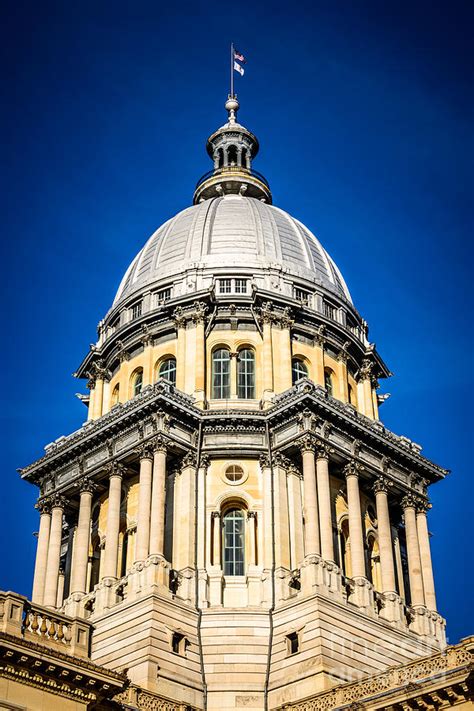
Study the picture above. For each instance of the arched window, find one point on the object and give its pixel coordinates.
(167, 370)
(115, 395)
(137, 382)
(221, 374)
(298, 370)
(328, 382)
(246, 374)
(221, 157)
(232, 156)
(233, 543)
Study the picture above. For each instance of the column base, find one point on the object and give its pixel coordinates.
(74, 605)
(311, 574)
(105, 595)
(392, 608)
(428, 623)
(362, 594)
(186, 584)
(254, 584)
(203, 588)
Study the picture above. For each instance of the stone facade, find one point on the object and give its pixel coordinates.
(233, 527)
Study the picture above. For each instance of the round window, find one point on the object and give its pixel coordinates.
(234, 473)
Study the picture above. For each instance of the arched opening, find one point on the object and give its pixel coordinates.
(136, 382)
(344, 547)
(299, 370)
(221, 374)
(373, 561)
(233, 541)
(167, 370)
(232, 156)
(115, 399)
(246, 374)
(220, 158)
(329, 381)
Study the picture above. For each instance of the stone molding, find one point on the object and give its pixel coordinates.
(115, 469)
(353, 468)
(382, 484)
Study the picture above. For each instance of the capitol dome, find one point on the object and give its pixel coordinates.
(237, 232)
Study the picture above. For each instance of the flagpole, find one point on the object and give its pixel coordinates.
(231, 70)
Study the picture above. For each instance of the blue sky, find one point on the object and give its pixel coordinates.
(363, 116)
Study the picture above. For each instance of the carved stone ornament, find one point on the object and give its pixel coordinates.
(409, 501)
(43, 506)
(365, 370)
(323, 450)
(204, 461)
(285, 319)
(252, 514)
(353, 468)
(199, 313)
(58, 502)
(179, 318)
(343, 355)
(382, 484)
(189, 460)
(146, 335)
(87, 484)
(319, 337)
(266, 312)
(145, 451)
(122, 353)
(215, 514)
(423, 505)
(264, 461)
(307, 443)
(158, 444)
(115, 469)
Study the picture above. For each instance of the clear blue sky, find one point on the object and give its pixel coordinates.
(362, 113)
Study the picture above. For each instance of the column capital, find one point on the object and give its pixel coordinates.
(145, 451)
(215, 514)
(43, 506)
(158, 444)
(87, 485)
(204, 461)
(115, 469)
(199, 313)
(189, 460)
(352, 468)
(365, 370)
(264, 461)
(280, 460)
(251, 514)
(307, 443)
(179, 318)
(323, 450)
(423, 505)
(382, 484)
(58, 502)
(409, 501)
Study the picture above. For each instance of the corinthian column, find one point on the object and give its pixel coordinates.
(82, 540)
(144, 503)
(324, 501)
(356, 535)
(252, 520)
(267, 350)
(157, 519)
(310, 498)
(180, 323)
(116, 471)
(425, 555)
(199, 317)
(44, 507)
(385, 535)
(54, 552)
(413, 551)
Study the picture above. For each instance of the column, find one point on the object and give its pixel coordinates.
(98, 398)
(199, 318)
(385, 536)
(54, 552)
(201, 512)
(351, 471)
(425, 555)
(324, 501)
(44, 507)
(341, 370)
(267, 350)
(216, 538)
(267, 533)
(180, 323)
(144, 503)
(60, 593)
(413, 551)
(252, 520)
(318, 375)
(158, 494)
(310, 500)
(109, 569)
(284, 355)
(82, 541)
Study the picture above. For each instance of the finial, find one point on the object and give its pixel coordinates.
(232, 106)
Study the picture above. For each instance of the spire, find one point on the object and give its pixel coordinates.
(232, 149)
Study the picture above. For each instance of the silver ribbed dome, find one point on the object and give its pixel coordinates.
(231, 232)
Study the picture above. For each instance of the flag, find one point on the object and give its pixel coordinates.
(239, 56)
(238, 68)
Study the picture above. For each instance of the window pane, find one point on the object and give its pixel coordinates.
(246, 374)
(234, 542)
(168, 370)
(221, 374)
(298, 370)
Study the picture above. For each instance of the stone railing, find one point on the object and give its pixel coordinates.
(35, 623)
(351, 695)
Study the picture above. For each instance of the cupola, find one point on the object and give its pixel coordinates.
(232, 149)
